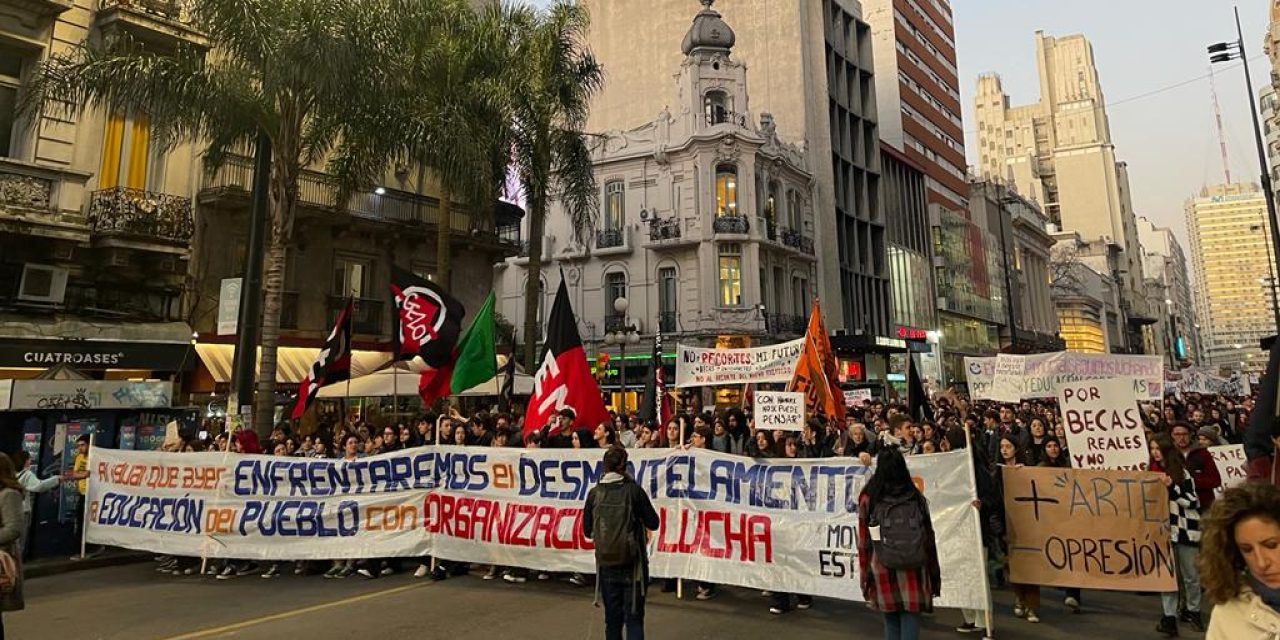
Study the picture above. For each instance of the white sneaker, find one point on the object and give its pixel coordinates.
(1032, 617)
(227, 573)
(514, 579)
(493, 573)
(1019, 610)
(386, 571)
(422, 571)
(1072, 603)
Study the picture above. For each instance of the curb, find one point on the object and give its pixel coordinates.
(50, 567)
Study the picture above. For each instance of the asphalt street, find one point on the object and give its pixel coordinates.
(136, 603)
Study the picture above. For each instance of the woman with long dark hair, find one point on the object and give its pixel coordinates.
(1240, 563)
(1184, 533)
(893, 516)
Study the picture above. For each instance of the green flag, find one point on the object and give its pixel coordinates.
(477, 352)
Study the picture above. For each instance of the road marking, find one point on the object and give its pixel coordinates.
(292, 613)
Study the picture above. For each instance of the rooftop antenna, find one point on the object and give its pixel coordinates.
(1222, 137)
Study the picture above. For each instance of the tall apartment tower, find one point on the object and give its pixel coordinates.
(1230, 255)
(918, 93)
(1059, 152)
(810, 64)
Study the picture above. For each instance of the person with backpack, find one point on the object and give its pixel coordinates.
(615, 517)
(897, 552)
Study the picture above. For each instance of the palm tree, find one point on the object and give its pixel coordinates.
(295, 71)
(558, 76)
(446, 106)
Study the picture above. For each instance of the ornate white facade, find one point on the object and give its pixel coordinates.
(706, 220)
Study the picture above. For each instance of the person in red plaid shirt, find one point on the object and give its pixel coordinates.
(900, 594)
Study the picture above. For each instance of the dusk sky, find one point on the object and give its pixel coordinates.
(1152, 62)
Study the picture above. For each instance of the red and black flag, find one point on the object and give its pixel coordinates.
(427, 320)
(657, 402)
(563, 379)
(333, 363)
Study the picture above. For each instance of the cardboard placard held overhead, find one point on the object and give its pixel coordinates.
(779, 410)
(1086, 528)
(855, 397)
(1231, 463)
(1104, 427)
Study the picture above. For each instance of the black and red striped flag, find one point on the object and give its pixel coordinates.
(333, 363)
(563, 379)
(427, 320)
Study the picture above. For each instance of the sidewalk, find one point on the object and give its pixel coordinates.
(64, 564)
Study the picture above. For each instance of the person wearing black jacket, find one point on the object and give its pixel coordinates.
(622, 587)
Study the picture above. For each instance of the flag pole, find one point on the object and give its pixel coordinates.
(84, 515)
(973, 477)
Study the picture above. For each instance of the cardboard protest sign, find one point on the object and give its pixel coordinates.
(780, 410)
(1006, 383)
(1088, 528)
(1103, 424)
(855, 397)
(1231, 464)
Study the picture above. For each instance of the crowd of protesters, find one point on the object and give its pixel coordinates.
(998, 436)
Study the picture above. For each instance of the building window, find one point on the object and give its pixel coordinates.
(793, 209)
(126, 152)
(726, 190)
(615, 286)
(12, 61)
(730, 274)
(351, 277)
(716, 107)
(614, 205)
(667, 299)
(771, 210)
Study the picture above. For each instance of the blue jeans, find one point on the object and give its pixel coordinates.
(623, 598)
(901, 625)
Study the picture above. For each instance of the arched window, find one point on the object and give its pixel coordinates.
(615, 286)
(614, 205)
(716, 107)
(726, 190)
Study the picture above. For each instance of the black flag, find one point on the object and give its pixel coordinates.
(427, 320)
(1257, 436)
(917, 399)
(508, 377)
(333, 363)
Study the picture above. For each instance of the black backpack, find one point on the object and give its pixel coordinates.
(903, 532)
(613, 526)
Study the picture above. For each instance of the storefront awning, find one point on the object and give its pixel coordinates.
(292, 363)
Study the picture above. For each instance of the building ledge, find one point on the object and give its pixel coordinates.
(40, 8)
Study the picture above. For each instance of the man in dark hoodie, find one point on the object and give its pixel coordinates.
(622, 564)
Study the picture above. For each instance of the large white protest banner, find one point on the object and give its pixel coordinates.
(779, 410)
(979, 374)
(1231, 463)
(699, 367)
(1103, 424)
(784, 525)
(1037, 376)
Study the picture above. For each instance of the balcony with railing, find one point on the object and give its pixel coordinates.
(665, 231)
(161, 24)
(140, 216)
(232, 182)
(609, 238)
(42, 200)
(737, 225)
(797, 241)
(366, 320)
(786, 324)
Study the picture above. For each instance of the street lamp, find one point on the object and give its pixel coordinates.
(622, 336)
(1226, 52)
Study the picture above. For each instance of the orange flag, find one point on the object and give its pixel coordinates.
(817, 373)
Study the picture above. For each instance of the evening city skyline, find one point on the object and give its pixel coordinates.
(1155, 82)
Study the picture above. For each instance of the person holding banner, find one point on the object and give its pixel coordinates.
(1199, 461)
(11, 522)
(1026, 596)
(897, 551)
(1240, 566)
(1184, 524)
